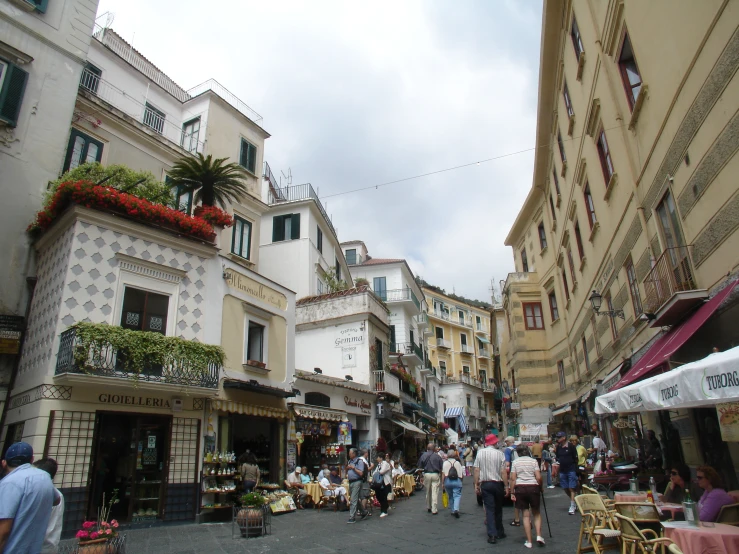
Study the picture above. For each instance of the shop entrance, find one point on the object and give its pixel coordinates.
(256, 435)
(131, 454)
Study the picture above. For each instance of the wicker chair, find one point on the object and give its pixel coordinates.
(644, 514)
(596, 525)
(637, 538)
(607, 501)
(729, 515)
(674, 549)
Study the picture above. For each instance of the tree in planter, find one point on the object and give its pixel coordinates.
(332, 283)
(214, 182)
(361, 282)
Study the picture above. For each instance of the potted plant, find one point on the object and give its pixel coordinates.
(250, 517)
(95, 537)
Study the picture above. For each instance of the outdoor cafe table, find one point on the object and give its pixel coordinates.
(314, 491)
(408, 483)
(716, 538)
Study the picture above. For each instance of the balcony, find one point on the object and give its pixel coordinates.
(422, 321)
(405, 295)
(443, 343)
(105, 360)
(467, 349)
(483, 353)
(670, 288)
(298, 193)
(429, 410)
(464, 378)
(386, 383)
(440, 315)
(411, 352)
(480, 330)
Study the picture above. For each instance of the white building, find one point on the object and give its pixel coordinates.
(299, 246)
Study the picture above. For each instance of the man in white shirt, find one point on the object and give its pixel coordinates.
(599, 444)
(54, 529)
(491, 479)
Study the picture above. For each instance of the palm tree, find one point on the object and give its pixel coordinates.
(212, 181)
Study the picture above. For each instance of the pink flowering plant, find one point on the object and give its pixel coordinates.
(104, 528)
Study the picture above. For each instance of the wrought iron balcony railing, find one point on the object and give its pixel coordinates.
(672, 273)
(427, 409)
(104, 360)
(384, 381)
(297, 193)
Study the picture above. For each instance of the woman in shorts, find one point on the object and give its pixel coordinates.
(525, 483)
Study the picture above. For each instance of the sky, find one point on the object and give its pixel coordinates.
(357, 94)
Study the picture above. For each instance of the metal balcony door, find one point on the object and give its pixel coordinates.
(675, 243)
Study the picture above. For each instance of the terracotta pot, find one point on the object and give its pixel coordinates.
(250, 521)
(96, 546)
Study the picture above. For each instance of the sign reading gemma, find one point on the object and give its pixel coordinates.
(349, 336)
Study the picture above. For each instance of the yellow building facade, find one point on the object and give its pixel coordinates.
(634, 196)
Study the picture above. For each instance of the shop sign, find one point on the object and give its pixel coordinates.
(348, 357)
(515, 405)
(255, 290)
(728, 420)
(11, 329)
(363, 405)
(350, 336)
(144, 401)
(533, 430)
(318, 414)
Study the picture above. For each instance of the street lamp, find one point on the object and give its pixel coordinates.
(597, 301)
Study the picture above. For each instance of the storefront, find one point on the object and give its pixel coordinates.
(322, 436)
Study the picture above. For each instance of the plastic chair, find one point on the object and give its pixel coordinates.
(596, 525)
(631, 534)
(729, 515)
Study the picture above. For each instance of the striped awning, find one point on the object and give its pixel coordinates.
(454, 412)
(248, 409)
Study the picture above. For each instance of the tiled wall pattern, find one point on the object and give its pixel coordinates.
(77, 281)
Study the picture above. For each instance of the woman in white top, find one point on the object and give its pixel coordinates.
(452, 484)
(525, 488)
(382, 483)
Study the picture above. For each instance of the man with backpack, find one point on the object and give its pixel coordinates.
(356, 471)
(451, 480)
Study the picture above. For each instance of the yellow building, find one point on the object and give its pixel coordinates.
(634, 196)
(460, 345)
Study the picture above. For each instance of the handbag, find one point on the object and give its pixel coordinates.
(445, 499)
(378, 481)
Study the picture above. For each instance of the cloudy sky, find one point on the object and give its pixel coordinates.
(356, 94)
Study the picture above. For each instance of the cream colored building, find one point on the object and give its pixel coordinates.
(634, 195)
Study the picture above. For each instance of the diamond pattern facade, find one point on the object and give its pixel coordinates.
(78, 280)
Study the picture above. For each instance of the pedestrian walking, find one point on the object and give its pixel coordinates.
(491, 480)
(469, 459)
(546, 465)
(536, 451)
(27, 497)
(382, 483)
(451, 480)
(582, 457)
(430, 462)
(356, 472)
(567, 457)
(526, 492)
(365, 491)
(54, 529)
(249, 470)
(510, 455)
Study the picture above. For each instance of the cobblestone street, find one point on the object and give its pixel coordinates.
(408, 528)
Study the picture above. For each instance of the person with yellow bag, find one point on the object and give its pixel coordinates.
(452, 474)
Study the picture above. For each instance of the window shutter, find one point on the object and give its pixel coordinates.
(11, 94)
(40, 5)
(243, 154)
(251, 160)
(295, 226)
(278, 228)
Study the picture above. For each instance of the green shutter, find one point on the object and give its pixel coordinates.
(251, 160)
(247, 224)
(11, 94)
(278, 228)
(295, 226)
(243, 153)
(40, 5)
(319, 239)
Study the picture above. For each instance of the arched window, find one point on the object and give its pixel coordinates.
(317, 399)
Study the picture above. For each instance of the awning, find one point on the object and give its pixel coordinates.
(483, 339)
(712, 380)
(248, 409)
(255, 386)
(561, 410)
(613, 377)
(670, 342)
(409, 427)
(322, 414)
(454, 412)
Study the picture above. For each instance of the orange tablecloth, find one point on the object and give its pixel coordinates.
(630, 497)
(714, 540)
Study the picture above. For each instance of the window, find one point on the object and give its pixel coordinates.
(479, 402)
(182, 198)
(566, 285)
(463, 340)
(442, 366)
(12, 86)
(255, 342)
(611, 320)
(285, 227)
(460, 315)
(633, 286)
(551, 205)
(585, 354)
(553, 306)
(589, 206)
(576, 39)
(90, 78)
(319, 239)
(605, 157)
(351, 256)
(466, 369)
(629, 71)
(483, 376)
(439, 333)
(568, 101)
(82, 149)
(248, 156)
(191, 134)
(533, 316)
(241, 243)
(572, 265)
(561, 145)
(524, 261)
(379, 285)
(154, 118)
(320, 287)
(144, 311)
(392, 338)
(378, 354)
(555, 179)
(669, 222)
(317, 399)
(478, 322)
(469, 398)
(595, 335)
(542, 236)
(561, 374)
(578, 241)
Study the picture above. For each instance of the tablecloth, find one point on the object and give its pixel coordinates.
(314, 491)
(720, 539)
(408, 483)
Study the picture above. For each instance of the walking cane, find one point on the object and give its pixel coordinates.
(545, 512)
